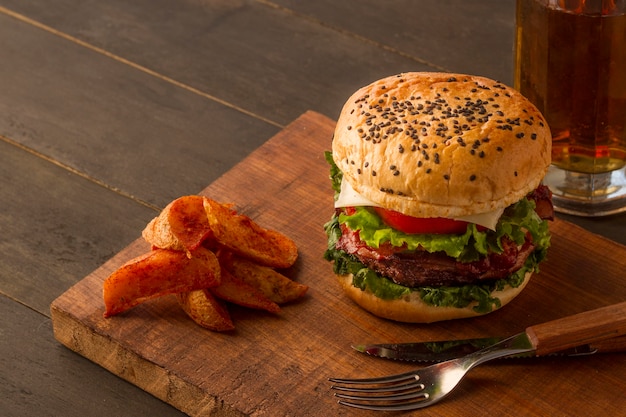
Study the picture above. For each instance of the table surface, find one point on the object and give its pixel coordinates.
(109, 110)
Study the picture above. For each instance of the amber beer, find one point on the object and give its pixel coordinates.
(571, 63)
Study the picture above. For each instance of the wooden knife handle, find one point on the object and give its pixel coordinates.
(583, 328)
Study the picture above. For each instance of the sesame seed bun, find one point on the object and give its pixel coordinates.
(441, 145)
(411, 309)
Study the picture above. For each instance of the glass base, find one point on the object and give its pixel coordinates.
(589, 195)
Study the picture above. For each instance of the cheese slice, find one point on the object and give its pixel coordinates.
(348, 197)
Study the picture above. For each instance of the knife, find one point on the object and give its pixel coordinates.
(443, 350)
(600, 330)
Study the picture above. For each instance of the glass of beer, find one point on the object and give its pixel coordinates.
(570, 61)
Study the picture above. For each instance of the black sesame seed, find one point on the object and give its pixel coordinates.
(472, 177)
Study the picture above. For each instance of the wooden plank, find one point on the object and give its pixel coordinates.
(279, 365)
(451, 36)
(130, 130)
(56, 227)
(39, 376)
(261, 59)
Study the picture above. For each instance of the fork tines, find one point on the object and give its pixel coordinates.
(393, 393)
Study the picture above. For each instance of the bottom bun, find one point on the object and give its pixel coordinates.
(411, 309)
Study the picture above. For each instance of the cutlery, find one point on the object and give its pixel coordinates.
(443, 350)
(427, 386)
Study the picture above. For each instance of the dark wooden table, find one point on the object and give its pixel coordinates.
(109, 110)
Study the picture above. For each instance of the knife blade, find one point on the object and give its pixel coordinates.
(443, 350)
(600, 330)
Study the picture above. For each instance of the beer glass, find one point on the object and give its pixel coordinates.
(570, 61)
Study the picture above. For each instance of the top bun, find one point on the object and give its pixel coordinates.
(441, 145)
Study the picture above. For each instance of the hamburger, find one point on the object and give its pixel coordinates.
(439, 208)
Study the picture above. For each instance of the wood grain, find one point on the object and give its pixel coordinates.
(589, 327)
(279, 366)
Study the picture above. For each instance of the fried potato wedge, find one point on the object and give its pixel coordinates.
(181, 225)
(157, 273)
(246, 238)
(206, 310)
(238, 292)
(271, 283)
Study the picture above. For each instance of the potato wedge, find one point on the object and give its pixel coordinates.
(181, 225)
(271, 283)
(157, 273)
(246, 238)
(238, 292)
(206, 310)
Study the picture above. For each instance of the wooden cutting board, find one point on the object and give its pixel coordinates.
(279, 365)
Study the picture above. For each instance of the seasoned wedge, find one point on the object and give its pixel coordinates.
(238, 292)
(273, 284)
(156, 273)
(206, 310)
(181, 225)
(246, 238)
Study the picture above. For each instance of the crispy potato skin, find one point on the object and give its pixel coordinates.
(156, 273)
(181, 225)
(241, 293)
(206, 310)
(270, 282)
(245, 237)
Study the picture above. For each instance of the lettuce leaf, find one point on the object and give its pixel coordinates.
(335, 174)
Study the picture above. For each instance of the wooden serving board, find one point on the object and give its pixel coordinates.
(279, 365)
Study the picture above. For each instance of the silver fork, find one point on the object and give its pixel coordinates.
(424, 387)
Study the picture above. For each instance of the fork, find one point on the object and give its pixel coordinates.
(424, 387)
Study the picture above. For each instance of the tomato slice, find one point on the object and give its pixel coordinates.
(409, 224)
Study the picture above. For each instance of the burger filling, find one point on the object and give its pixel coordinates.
(453, 266)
